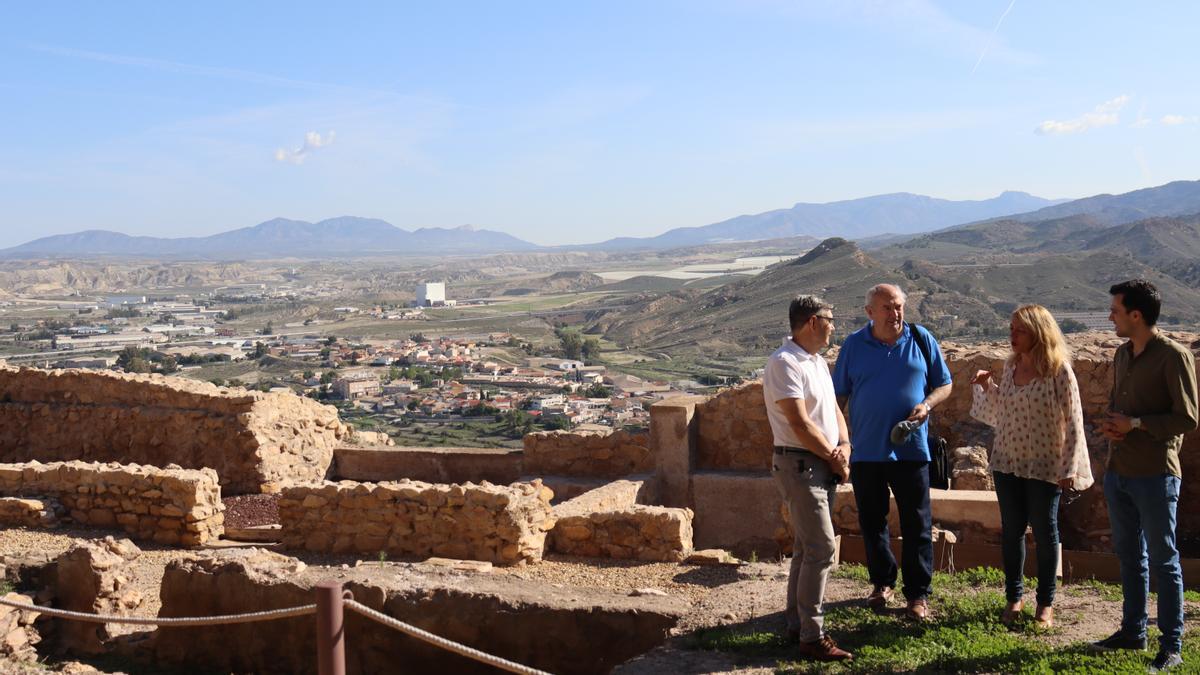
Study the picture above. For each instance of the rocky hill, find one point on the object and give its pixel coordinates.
(752, 314)
(53, 277)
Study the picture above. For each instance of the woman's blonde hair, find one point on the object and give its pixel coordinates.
(1049, 351)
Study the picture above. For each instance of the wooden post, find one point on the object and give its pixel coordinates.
(331, 637)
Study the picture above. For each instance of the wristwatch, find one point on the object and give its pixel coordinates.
(1135, 423)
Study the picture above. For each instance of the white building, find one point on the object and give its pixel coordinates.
(431, 294)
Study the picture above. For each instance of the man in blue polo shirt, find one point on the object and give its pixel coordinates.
(889, 372)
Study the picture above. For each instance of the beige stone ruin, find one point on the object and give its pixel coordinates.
(251, 439)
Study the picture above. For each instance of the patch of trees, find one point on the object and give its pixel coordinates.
(201, 359)
(575, 345)
(145, 360)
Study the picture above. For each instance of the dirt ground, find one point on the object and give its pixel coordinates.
(749, 597)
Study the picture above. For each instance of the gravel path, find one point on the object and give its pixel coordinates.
(251, 510)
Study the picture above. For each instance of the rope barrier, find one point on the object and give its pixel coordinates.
(248, 617)
(442, 642)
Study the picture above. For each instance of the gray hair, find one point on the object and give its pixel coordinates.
(878, 288)
(803, 308)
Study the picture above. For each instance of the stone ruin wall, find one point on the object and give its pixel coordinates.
(176, 507)
(733, 433)
(251, 439)
(595, 454)
(608, 523)
(500, 524)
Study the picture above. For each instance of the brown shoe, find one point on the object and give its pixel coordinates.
(917, 610)
(1011, 613)
(824, 650)
(1044, 617)
(879, 598)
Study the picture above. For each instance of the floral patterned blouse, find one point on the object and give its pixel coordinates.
(1039, 427)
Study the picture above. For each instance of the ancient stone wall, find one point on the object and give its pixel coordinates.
(179, 507)
(251, 439)
(594, 454)
(500, 524)
(732, 431)
(608, 523)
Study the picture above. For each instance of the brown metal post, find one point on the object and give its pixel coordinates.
(331, 642)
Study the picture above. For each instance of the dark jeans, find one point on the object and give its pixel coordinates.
(909, 482)
(1027, 501)
(1142, 514)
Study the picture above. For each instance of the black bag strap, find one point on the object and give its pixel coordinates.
(925, 351)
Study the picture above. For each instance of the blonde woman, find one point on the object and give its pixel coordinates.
(1038, 452)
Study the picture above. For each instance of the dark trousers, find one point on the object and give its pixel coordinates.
(1027, 501)
(909, 482)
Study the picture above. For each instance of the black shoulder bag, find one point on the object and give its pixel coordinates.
(939, 458)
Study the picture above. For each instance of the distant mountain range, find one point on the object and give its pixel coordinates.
(899, 213)
(279, 238)
(1011, 221)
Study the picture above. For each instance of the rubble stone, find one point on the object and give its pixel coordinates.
(23, 512)
(17, 633)
(93, 577)
(970, 471)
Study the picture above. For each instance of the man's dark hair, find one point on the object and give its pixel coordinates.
(803, 308)
(1140, 295)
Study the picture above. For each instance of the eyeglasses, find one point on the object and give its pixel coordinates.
(828, 318)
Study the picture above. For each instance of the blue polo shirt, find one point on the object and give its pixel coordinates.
(884, 383)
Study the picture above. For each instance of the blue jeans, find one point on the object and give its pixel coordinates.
(909, 482)
(1027, 501)
(1142, 513)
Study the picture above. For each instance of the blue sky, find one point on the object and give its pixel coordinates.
(575, 122)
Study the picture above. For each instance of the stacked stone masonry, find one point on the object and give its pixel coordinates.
(595, 454)
(177, 507)
(500, 524)
(34, 513)
(732, 431)
(252, 439)
(607, 523)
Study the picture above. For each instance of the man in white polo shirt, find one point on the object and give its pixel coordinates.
(812, 456)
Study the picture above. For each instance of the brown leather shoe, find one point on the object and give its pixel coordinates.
(917, 610)
(1044, 616)
(879, 598)
(1011, 613)
(824, 650)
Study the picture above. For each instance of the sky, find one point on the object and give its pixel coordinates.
(575, 122)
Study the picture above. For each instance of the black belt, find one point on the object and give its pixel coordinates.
(786, 450)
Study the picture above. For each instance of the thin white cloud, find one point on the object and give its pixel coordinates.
(312, 141)
(192, 69)
(992, 38)
(1142, 120)
(1176, 120)
(1104, 115)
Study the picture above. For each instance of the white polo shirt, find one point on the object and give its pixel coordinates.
(792, 372)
